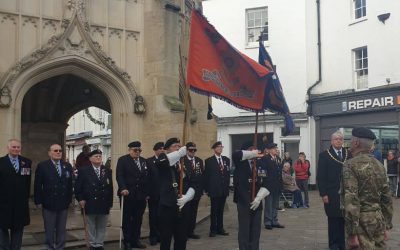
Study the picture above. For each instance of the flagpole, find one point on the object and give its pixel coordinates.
(253, 163)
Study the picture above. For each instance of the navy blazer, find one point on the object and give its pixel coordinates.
(130, 177)
(216, 182)
(14, 193)
(54, 192)
(98, 193)
(154, 184)
(196, 172)
(273, 173)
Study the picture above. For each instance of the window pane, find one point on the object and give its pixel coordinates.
(257, 22)
(358, 64)
(357, 4)
(250, 23)
(364, 52)
(365, 63)
(258, 15)
(358, 13)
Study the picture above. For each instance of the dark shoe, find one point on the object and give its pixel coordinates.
(278, 226)
(194, 236)
(212, 234)
(269, 227)
(127, 246)
(223, 232)
(153, 241)
(92, 248)
(99, 248)
(138, 245)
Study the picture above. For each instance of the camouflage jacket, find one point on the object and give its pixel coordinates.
(364, 188)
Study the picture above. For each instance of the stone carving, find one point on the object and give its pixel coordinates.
(29, 20)
(69, 46)
(97, 30)
(173, 103)
(50, 23)
(132, 34)
(115, 32)
(12, 18)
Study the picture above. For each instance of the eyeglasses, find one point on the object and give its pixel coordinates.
(192, 149)
(57, 150)
(136, 150)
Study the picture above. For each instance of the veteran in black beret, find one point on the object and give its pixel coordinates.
(271, 164)
(94, 192)
(216, 185)
(154, 193)
(174, 209)
(132, 178)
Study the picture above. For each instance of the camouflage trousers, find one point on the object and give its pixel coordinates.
(371, 231)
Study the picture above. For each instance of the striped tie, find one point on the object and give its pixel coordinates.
(58, 168)
(97, 170)
(15, 165)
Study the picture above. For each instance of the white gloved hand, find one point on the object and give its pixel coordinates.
(185, 198)
(262, 193)
(175, 156)
(249, 154)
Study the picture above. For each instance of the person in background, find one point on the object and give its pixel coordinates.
(376, 152)
(302, 168)
(289, 184)
(392, 171)
(287, 158)
(15, 184)
(82, 160)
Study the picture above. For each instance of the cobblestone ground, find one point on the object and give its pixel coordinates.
(305, 229)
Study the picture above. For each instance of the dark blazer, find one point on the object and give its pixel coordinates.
(169, 175)
(98, 193)
(154, 185)
(216, 182)
(14, 193)
(51, 190)
(329, 173)
(130, 177)
(242, 180)
(273, 172)
(196, 172)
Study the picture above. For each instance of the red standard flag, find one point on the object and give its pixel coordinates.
(216, 68)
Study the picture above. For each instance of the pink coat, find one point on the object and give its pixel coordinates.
(301, 170)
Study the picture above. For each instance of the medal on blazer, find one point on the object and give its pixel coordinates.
(25, 171)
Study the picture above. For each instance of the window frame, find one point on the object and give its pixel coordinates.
(360, 67)
(254, 26)
(362, 9)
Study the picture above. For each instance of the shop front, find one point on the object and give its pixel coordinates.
(377, 109)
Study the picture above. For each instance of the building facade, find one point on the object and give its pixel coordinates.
(62, 56)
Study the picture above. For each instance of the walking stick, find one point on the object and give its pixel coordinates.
(85, 226)
(120, 229)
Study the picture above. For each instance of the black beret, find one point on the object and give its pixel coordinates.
(171, 141)
(271, 145)
(190, 145)
(362, 132)
(158, 145)
(95, 152)
(216, 144)
(246, 145)
(134, 144)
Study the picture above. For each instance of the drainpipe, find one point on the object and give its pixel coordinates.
(309, 107)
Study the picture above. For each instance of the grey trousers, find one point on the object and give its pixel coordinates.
(11, 240)
(249, 227)
(303, 185)
(55, 223)
(270, 209)
(96, 227)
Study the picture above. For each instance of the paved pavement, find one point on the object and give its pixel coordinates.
(305, 229)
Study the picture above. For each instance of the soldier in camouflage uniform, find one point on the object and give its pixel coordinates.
(365, 196)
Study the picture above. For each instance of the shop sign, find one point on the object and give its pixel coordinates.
(370, 103)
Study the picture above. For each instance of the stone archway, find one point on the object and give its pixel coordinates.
(38, 128)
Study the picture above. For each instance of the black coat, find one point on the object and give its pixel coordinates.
(196, 172)
(242, 180)
(273, 172)
(14, 193)
(98, 193)
(130, 177)
(216, 182)
(329, 173)
(54, 192)
(154, 185)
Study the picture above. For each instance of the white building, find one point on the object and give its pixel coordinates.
(353, 81)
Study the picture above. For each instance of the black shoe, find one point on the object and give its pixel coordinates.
(269, 227)
(212, 234)
(153, 241)
(127, 246)
(138, 245)
(278, 226)
(99, 248)
(223, 232)
(194, 236)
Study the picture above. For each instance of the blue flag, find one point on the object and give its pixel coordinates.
(274, 100)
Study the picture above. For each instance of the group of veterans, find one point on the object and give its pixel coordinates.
(352, 184)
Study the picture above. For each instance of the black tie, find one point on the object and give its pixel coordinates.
(339, 153)
(97, 170)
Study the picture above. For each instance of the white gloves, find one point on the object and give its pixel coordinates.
(262, 193)
(175, 156)
(185, 198)
(247, 154)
